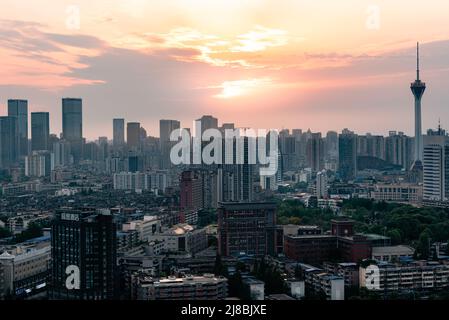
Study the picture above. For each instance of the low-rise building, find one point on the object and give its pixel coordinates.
(318, 282)
(255, 288)
(392, 253)
(182, 238)
(409, 193)
(348, 270)
(25, 273)
(206, 287)
(149, 226)
(417, 275)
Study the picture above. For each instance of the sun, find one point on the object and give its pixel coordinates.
(237, 88)
(231, 89)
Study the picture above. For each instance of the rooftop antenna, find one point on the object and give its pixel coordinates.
(417, 61)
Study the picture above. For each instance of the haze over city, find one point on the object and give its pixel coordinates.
(294, 64)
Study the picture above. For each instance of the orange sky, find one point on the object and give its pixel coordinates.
(305, 64)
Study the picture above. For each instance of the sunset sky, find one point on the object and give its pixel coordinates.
(318, 64)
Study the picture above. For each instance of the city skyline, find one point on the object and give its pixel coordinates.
(285, 70)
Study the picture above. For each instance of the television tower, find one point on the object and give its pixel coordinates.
(418, 87)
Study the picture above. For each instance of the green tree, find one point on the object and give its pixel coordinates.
(395, 235)
(235, 285)
(4, 233)
(423, 247)
(219, 268)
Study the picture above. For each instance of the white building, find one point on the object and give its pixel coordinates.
(182, 238)
(156, 181)
(24, 272)
(419, 275)
(401, 192)
(391, 253)
(321, 185)
(38, 164)
(149, 226)
(435, 167)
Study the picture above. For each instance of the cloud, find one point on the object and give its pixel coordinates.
(79, 41)
(39, 58)
(218, 50)
(260, 39)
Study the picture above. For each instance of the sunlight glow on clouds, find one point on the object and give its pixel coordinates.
(260, 39)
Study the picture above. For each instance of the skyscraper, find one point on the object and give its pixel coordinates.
(418, 87)
(436, 166)
(8, 141)
(72, 125)
(72, 119)
(315, 152)
(165, 129)
(118, 132)
(85, 240)
(133, 135)
(347, 155)
(19, 110)
(208, 122)
(40, 131)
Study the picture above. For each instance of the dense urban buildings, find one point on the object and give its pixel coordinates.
(113, 217)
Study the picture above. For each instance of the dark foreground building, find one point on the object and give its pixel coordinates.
(247, 228)
(85, 239)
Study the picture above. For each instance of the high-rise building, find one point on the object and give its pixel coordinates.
(166, 127)
(19, 110)
(418, 87)
(399, 149)
(246, 228)
(236, 182)
(72, 119)
(315, 152)
(208, 122)
(118, 132)
(436, 166)
(72, 125)
(8, 142)
(84, 245)
(133, 135)
(40, 131)
(321, 185)
(287, 147)
(191, 194)
(347, 155)
(38, 164)
(61, 155)
(331, 145)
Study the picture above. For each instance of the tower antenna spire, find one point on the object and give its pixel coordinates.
(417, 61)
